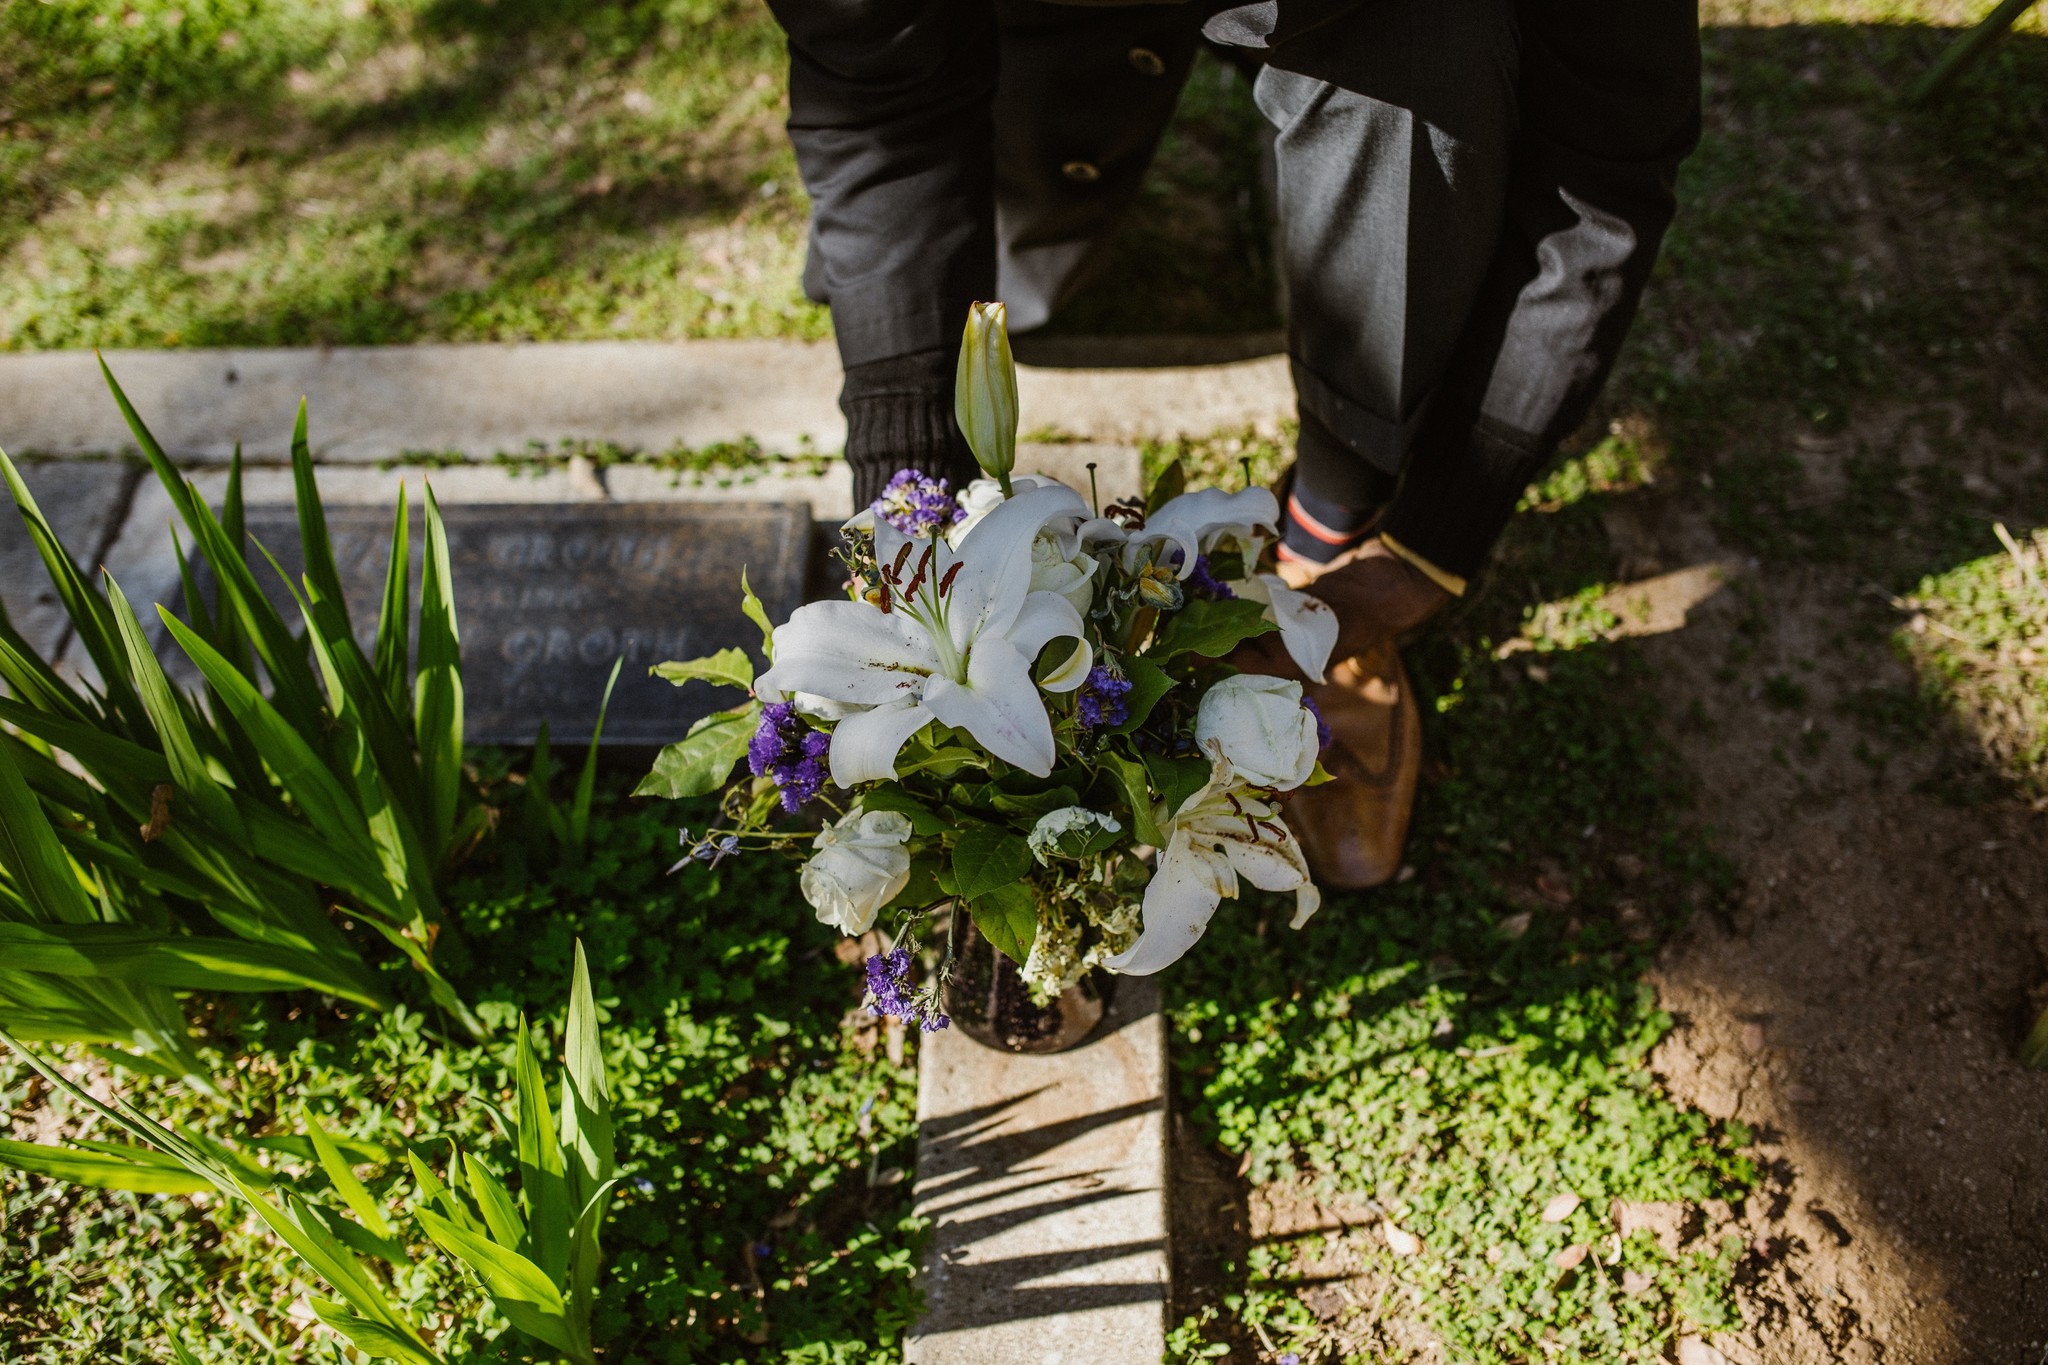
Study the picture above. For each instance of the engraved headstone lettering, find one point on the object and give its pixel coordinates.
(549, 596)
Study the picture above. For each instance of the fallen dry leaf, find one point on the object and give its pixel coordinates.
(1693, 1351)
(1635, 1281)
(1561, 1207)
(1570, 1256)
(1402, 1242)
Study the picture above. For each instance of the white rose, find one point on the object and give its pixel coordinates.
(1072, 576)
(859, 866)
(1262, 727)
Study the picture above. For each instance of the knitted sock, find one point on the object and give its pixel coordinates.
(1335, 498)
(899, 415)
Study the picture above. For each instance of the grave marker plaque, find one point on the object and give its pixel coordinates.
(547, 596)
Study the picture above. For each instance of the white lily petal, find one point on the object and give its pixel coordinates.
(995, 560)
(999, 705)
(849, 652)
(864, 746)
(860, 523)
(1071, 674)
(1308, 628)
(1269, 863)
(1044, 617)
(1197, 520)
(1179, 902)
(1307, 900)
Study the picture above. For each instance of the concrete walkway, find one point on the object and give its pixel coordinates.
(378, 403)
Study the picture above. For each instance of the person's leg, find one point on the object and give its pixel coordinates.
(1085, 93)
(1610, 99)
(890, 118)
(1395, 122)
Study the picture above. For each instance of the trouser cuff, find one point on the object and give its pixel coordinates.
(1463, 482)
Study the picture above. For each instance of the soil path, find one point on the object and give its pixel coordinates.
(1859, 1005)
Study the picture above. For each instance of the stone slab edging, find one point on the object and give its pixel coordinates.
(1044, 1178)
(376, 403)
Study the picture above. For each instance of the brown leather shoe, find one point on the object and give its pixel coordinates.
(1352, 829)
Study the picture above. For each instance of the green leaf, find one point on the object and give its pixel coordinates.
(1008, 918)
(586, 781)
(586, 1099)
(543, 1183)
(922, 819)
(1033, 805)
(1209, 628)
(437, 689)
(337, 1166)
(1149, 683)
(32, 856)
(1136, 783)
(1177, 778)
(758, 614)
(701, 762)
(394, 622)
(327, 805)
(923, 887)
(520, 1289)
(372, 1338)
(91, 621)
(985, 858)
(315, 544)
(125, 952)
(1171, 483)
(171, 717)
(494, 1201)
(141, 1170)
(727, 668)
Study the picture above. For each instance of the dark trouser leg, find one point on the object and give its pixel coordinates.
(1471, 199)
(1610, 98)
(1394, 126)
(1085, 94)
(890, 118)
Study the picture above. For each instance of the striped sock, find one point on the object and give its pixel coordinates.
(1316, 530)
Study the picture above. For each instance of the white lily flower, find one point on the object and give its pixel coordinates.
(951, 636)
(1222, 832)
(859, 866)
(983, 496)
(1261, 727)
(1308, 628)
(1057, 565)
(1198, 522)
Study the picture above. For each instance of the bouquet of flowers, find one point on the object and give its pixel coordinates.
(1022, 709)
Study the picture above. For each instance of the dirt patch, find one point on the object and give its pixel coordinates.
(1858, 1005)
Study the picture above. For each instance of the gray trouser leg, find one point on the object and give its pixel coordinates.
(1391, 186)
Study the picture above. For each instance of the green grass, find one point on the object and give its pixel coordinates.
(227, 172)
(762, 1217)
(1980, 636)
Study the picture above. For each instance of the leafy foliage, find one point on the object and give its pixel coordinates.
(761, 1212)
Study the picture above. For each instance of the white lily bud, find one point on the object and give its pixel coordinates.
(985, 391)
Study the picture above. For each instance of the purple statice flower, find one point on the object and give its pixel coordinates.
(888, 973)
(890, 995)
(916, 505)
(1202, 583)
(1102, 699)
(1323, 735)
(784, 748)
